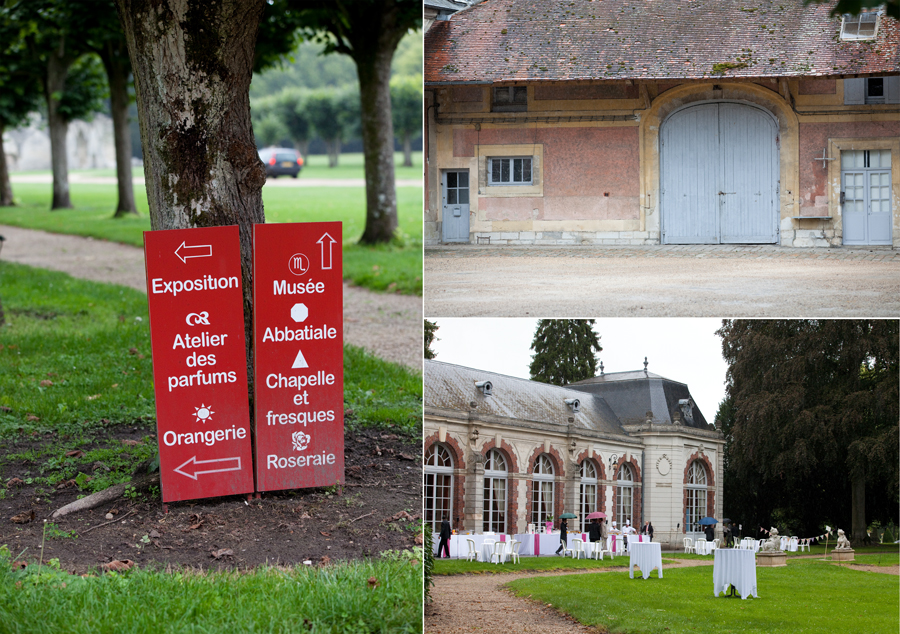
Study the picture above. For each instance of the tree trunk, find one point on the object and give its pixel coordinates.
(192, 63)
(858, 509)
(374, 70)
(333, 147)
(407, 150)
(117, 70)
(6, 196)
(55, 81)
(302, 147)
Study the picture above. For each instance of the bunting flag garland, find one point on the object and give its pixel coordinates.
(806, 540)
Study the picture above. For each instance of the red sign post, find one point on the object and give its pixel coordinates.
(299, 355)
(199, 362)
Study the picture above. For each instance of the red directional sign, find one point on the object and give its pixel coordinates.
(299, 355)
(199, 362)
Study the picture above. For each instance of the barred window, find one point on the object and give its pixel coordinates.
(510, 171)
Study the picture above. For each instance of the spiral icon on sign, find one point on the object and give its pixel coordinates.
(300, 440)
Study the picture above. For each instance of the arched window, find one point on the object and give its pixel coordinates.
(438, 485)
(588, 492)
(624, 494)
(696, 496)
(495, 473)
(542, 490)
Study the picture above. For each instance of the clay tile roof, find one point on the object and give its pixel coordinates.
(554, 40)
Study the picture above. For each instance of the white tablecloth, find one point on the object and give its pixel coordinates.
(646, 556)
(459, 547)
(619, 542)
(750, 544)
(537, 544)
(737, 567)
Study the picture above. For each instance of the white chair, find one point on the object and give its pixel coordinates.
(514, 551)
(499, 552)
(688, 545)
(473, 553)
(700, 546)
(597, 550)
(577, 548)
(801, 544)
(716, 543)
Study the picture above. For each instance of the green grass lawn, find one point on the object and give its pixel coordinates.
(75, 359)
(526, 564)
(805, 596)
(339, 598)
(395, 268)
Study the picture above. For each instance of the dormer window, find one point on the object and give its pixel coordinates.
(860, 27)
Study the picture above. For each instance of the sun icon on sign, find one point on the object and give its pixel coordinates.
(203, 413)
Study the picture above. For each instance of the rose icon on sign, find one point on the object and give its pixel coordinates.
(300, 440)
(298, 264)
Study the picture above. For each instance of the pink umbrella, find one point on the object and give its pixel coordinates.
(596, 515)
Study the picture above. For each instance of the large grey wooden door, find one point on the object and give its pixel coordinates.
(455, 206)
(866, 193)
(719, 175)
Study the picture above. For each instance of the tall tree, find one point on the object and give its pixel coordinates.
(20, 92)
(192, 63)
(291, 105)
(431, 329)
(813, 416)
(406, 103)
(564, 351)
(334, 115)
(369, 32)
(50, 30)
(106, 38)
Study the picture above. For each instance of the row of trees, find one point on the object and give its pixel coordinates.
(42, 43)
(297, 116)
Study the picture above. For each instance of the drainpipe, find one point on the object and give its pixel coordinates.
(643, 493)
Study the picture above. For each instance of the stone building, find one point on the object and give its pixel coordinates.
(682, 122)
(503, 452)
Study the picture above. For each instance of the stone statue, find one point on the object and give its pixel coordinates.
(842, 543)
(773, 544)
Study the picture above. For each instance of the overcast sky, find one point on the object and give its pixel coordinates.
(685, 350)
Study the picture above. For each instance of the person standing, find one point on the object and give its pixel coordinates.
(563, 526)
(444, 544)
(594, 531)
(710, 532)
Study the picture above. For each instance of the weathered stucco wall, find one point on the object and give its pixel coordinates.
(597, 161)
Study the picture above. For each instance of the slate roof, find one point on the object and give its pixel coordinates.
(632, 395)
(551, 40)
(449, 386)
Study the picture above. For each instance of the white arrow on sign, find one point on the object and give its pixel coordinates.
(193, 460)
(326, 261)
(199, 251)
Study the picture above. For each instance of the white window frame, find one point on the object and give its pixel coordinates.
(438, 476)
(851, 24)
(495, 471)
(624, 494)
(696, 496)
(543, 478)
(588, 492)
(510, 170)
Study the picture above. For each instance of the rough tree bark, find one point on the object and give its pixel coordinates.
(192, 63)
(6, 196)
(373, 65)
(118, 67)
(58, 63)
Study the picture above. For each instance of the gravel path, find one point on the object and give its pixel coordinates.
(389, 326)
(662, 281)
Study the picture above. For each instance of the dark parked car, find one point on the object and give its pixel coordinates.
(281, 161)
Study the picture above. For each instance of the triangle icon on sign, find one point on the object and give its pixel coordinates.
(300, 361)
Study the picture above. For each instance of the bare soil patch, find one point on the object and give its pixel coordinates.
(375, 511)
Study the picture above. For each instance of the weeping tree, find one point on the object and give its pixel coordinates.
(565, 351)
(810, 418)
